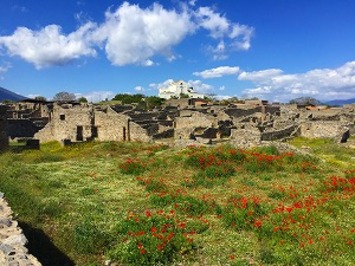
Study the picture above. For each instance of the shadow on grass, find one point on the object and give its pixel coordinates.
(43, 249)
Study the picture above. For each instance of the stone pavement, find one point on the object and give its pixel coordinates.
(12, 241)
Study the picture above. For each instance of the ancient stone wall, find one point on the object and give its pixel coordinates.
(72, 122)
(238, 112)
(12, 240)
(278, 134)
(243, 138)
(323, 129)
(112, 126)
(272, 109)
(20, 128)
(4, 141)
(185, 126)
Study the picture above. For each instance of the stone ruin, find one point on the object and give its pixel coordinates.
(179, 122)
(13, 242)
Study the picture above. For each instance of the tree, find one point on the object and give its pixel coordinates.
(153, 101)
(82, 100)
(40, 98)
(64, 97)
(184, 96)
(305, 101)
(128, 98)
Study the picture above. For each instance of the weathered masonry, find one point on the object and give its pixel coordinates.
(4, 141)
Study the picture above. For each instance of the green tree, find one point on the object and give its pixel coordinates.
(82, 100)
(128, 98)
(153, 101)
(184, 95)
(305, 101)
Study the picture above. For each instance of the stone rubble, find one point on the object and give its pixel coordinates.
(12, 241)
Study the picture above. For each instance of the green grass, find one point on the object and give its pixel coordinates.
(144, 204)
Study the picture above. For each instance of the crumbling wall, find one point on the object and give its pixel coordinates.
(20, 128)
(279, 134)
(112, 126)
(324, 129)
(185, 126)
(72, 122)
(12, 240)
(272, 109)
(239, 112)
(244, 138)
(4, 141)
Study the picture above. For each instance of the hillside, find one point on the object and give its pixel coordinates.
(340, 102)
(9, 95)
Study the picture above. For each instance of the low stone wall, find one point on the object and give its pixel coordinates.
(325, 129)
(12, 240)
(279, 134)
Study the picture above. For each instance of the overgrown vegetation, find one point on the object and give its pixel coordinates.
(144, 204)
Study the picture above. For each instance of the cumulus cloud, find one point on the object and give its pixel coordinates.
(198, 85)
(4, 68)
(48, 46)
(129, 34)
(139, 89)
(133, 35)
(217, 72)
(96, 96)
(322, 84)
(231, 36)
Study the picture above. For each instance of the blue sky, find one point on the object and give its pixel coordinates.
(272, 49)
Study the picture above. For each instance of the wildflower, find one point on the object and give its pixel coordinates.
(257, 223)
(170, 236)
(143, 251)
(140, 233)
(182, 225)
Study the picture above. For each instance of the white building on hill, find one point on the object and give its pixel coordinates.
(178, 88)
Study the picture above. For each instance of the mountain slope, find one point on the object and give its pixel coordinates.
(9, 95)
(341, 102)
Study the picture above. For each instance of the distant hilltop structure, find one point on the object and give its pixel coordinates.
(179, 89)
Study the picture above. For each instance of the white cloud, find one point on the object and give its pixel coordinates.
(217, 72)
(260, 76)
(232, 36)
(129, 34)
(133, 35)
(200, 87)
(157, 86)
(4, 68)
(192, 2)
(322, 84)
(96, 96)
(139, 89)
(208, 19)
(48, 46)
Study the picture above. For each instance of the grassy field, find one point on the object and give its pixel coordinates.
(147, 204)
